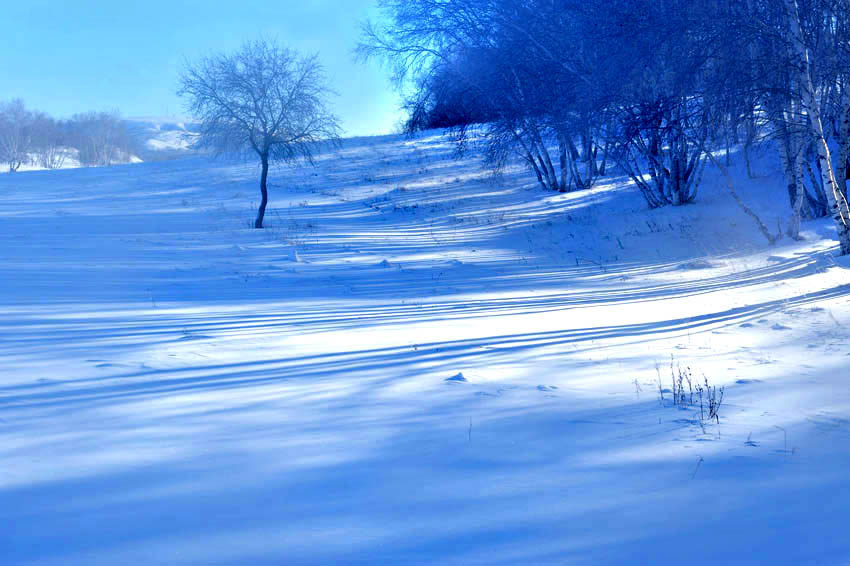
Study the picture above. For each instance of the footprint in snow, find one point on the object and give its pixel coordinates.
(547, 388)
(778, 326)
(747, 325)
(747, 381)
(456, 379)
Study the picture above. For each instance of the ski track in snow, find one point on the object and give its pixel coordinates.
(417, 362)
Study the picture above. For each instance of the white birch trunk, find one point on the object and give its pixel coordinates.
(799, 195)
(796, 143)
(844, 139)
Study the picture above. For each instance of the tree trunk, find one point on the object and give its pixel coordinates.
(604, 159)
(535, 168)
(748, 144)
(786, 155)
(547, 163)
(529, 156)
(675, 169)
(842, 170)
(791, 143)
(264, 191)
(562, 153)
(799, 189)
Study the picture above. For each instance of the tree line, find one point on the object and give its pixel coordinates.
(652, 87)
(30, 137)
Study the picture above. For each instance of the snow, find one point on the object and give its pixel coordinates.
(163, 136)
(418, 362)
(71, 161)
(173, 140)
(157, 138)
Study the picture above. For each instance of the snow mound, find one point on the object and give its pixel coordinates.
(459, 378)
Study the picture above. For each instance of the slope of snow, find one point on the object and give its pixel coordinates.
(162, 137)
(172, 140)
(416, 363)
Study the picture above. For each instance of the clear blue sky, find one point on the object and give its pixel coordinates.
(68, 56)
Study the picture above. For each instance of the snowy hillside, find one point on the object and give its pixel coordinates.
(418, 362)
(162, 138)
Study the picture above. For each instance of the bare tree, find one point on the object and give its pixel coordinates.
(496, 63)
(16, 125)
(836, 198)
(656, 84)
(264, 100)
(101, 138)
(49, 141)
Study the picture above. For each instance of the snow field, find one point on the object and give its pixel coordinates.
(180, 389)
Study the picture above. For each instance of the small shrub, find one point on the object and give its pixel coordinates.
(713, 401)
(687, 392)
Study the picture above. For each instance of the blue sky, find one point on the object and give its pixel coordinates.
(67, 56)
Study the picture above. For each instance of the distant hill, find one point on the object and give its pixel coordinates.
(159, 139)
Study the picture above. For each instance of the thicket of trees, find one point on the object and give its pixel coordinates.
(574, 87)
(32, 137)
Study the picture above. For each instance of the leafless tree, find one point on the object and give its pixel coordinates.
(799, 55)
(264, 100)
(833, 184)
(656, 84)
(49, 141)
(101, 138)
(16, 130)
(497, 63)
